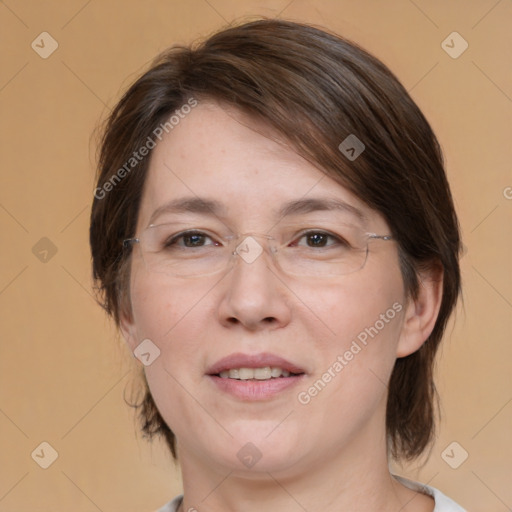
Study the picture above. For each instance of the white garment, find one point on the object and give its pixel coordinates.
(443, 503)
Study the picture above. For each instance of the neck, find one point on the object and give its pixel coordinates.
(355, 477)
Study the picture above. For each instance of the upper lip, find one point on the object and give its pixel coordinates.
(239, 360)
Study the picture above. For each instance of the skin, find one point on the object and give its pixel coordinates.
(330, 454)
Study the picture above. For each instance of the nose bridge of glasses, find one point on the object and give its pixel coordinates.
(249, 246)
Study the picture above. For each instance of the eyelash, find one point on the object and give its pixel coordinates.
(180, 236)
(172, 240)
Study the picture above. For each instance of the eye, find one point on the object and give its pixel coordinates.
(320, 239)
(189, 239)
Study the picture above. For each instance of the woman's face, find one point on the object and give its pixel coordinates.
(340, 334)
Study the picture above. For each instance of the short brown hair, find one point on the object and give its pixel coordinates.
(315, 89)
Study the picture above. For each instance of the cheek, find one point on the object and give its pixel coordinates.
(363, 316)
(161, 306)
(356, 304)
(173, 317)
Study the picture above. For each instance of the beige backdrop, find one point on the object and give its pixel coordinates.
(63, 369)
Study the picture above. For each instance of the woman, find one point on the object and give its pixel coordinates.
(274, 234)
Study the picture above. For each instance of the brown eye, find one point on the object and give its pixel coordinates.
(319, 239)
(189, 239)
(194, 240)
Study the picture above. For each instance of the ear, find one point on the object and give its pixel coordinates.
(421, 312)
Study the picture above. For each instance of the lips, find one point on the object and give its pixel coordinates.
(245, 377)
(239, 360)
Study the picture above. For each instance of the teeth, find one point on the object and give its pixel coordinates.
(276, 372)
(264, 373)
(244, 373)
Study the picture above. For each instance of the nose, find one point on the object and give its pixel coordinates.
(253, 294)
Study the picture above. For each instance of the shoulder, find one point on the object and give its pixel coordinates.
(443, 503)
(172, 506)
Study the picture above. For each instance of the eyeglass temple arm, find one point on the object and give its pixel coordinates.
(380, 237)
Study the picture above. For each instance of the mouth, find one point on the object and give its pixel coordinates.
(263, 373)
(254, 377)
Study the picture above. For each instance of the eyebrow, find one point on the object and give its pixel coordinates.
(302, 206)
(190, 205)
(206, 206)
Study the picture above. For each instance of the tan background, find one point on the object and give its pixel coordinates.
(63, 369)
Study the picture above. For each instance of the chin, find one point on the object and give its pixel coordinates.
(258, 448)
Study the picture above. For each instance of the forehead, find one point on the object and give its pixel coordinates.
(217, 157)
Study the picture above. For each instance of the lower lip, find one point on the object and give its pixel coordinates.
(255, 389)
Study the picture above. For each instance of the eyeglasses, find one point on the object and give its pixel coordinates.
(196, 252)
